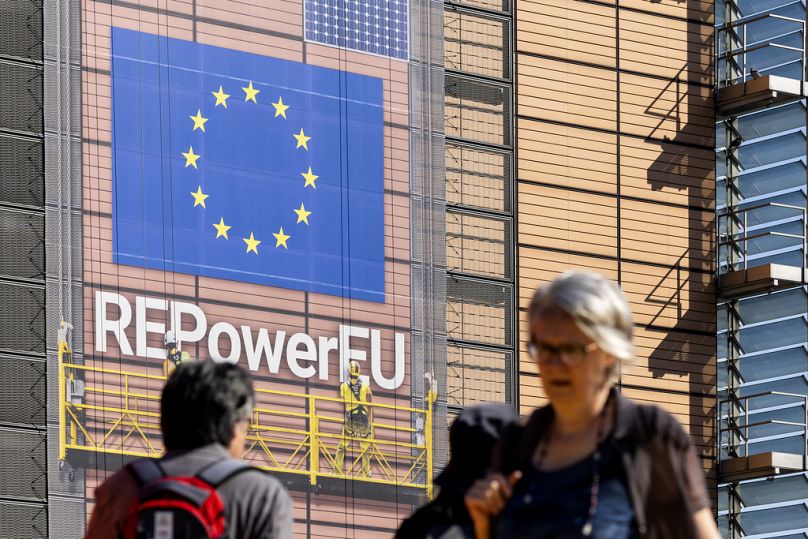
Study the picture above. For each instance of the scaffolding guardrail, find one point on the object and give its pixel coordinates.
(114, 411)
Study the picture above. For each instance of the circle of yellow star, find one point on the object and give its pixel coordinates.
(302, 214)
(280, 108)
(252, 243)
(281, 238)
(251, 93)
(221, 97)
(221, 229)
(190, 157)
(302, 139)
(199, 121)
(199, 197)
(309, 178)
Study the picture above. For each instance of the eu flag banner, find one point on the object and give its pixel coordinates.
(244, 167)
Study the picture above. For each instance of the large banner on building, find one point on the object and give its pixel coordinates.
(247, 197)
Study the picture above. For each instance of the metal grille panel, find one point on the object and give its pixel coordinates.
(22, 318)
(478, 311)
(21, 167)
(20, 108)
(22, 236)
(478, 375)
(476, 44)
(478, 245)
(23, 521)
(495, 5)
(477, 111)
(20, 472)
(478, 178)
(22, 391)
(21, 29)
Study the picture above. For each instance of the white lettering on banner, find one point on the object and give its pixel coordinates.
(213, 342)
(261, 346)
(116, 327)
(305, 355)
(294, 355)
(179, 308)
(144, 326)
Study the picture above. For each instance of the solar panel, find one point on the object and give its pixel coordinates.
(373, 26)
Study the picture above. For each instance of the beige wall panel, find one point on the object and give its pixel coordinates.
(670, 48)
(667, 172)
(99, 17)
(96, 89)
(279, 16)
(531, 394)
(669, 235)
(567, 156)
(557, 218)
(674, 352)
(656, 108)
(568, 30)
(659, 354)
(562, 91)
(665, 297)
(537, 266)
(699, 11)
(253, 42)
(394, 73)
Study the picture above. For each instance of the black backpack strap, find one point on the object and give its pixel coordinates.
(145, 471)
(222, 470)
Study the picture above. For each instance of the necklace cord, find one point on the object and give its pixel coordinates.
(586, 529)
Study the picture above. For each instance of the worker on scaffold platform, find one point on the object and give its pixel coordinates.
(356, 395)
(174, 357)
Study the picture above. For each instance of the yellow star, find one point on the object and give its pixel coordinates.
(251, 93)
(190, 157)
(280, 108)
(199, 197)
(281, 238)
(309, 178)
(221, 97)
(252, 243)
(199, 121)
(302, 214)
(302, 139)
(221, 229)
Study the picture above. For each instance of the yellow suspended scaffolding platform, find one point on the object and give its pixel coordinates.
(118, 412)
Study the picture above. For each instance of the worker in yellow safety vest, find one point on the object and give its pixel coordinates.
(174, 357)
(356, 395)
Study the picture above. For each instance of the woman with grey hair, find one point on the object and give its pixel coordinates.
(592, 463)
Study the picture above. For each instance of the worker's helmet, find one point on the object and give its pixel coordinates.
(354, 370)
(170, 339)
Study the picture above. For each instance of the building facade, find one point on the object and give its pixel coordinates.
(294, 184)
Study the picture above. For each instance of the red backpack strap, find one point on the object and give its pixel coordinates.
(220, 471)
(145, 471)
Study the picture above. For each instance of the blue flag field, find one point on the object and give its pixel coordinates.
(245, 167)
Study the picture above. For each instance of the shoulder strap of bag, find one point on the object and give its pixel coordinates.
(145, 471)
(222, 470)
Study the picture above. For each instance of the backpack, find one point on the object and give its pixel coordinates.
(170, 507)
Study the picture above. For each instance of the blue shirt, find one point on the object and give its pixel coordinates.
(554, 505)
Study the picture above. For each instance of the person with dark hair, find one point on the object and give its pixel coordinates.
(205, 412)
(472, 438)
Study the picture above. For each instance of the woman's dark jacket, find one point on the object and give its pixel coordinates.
(665, 476)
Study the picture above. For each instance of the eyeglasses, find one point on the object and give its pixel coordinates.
(571, 354)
